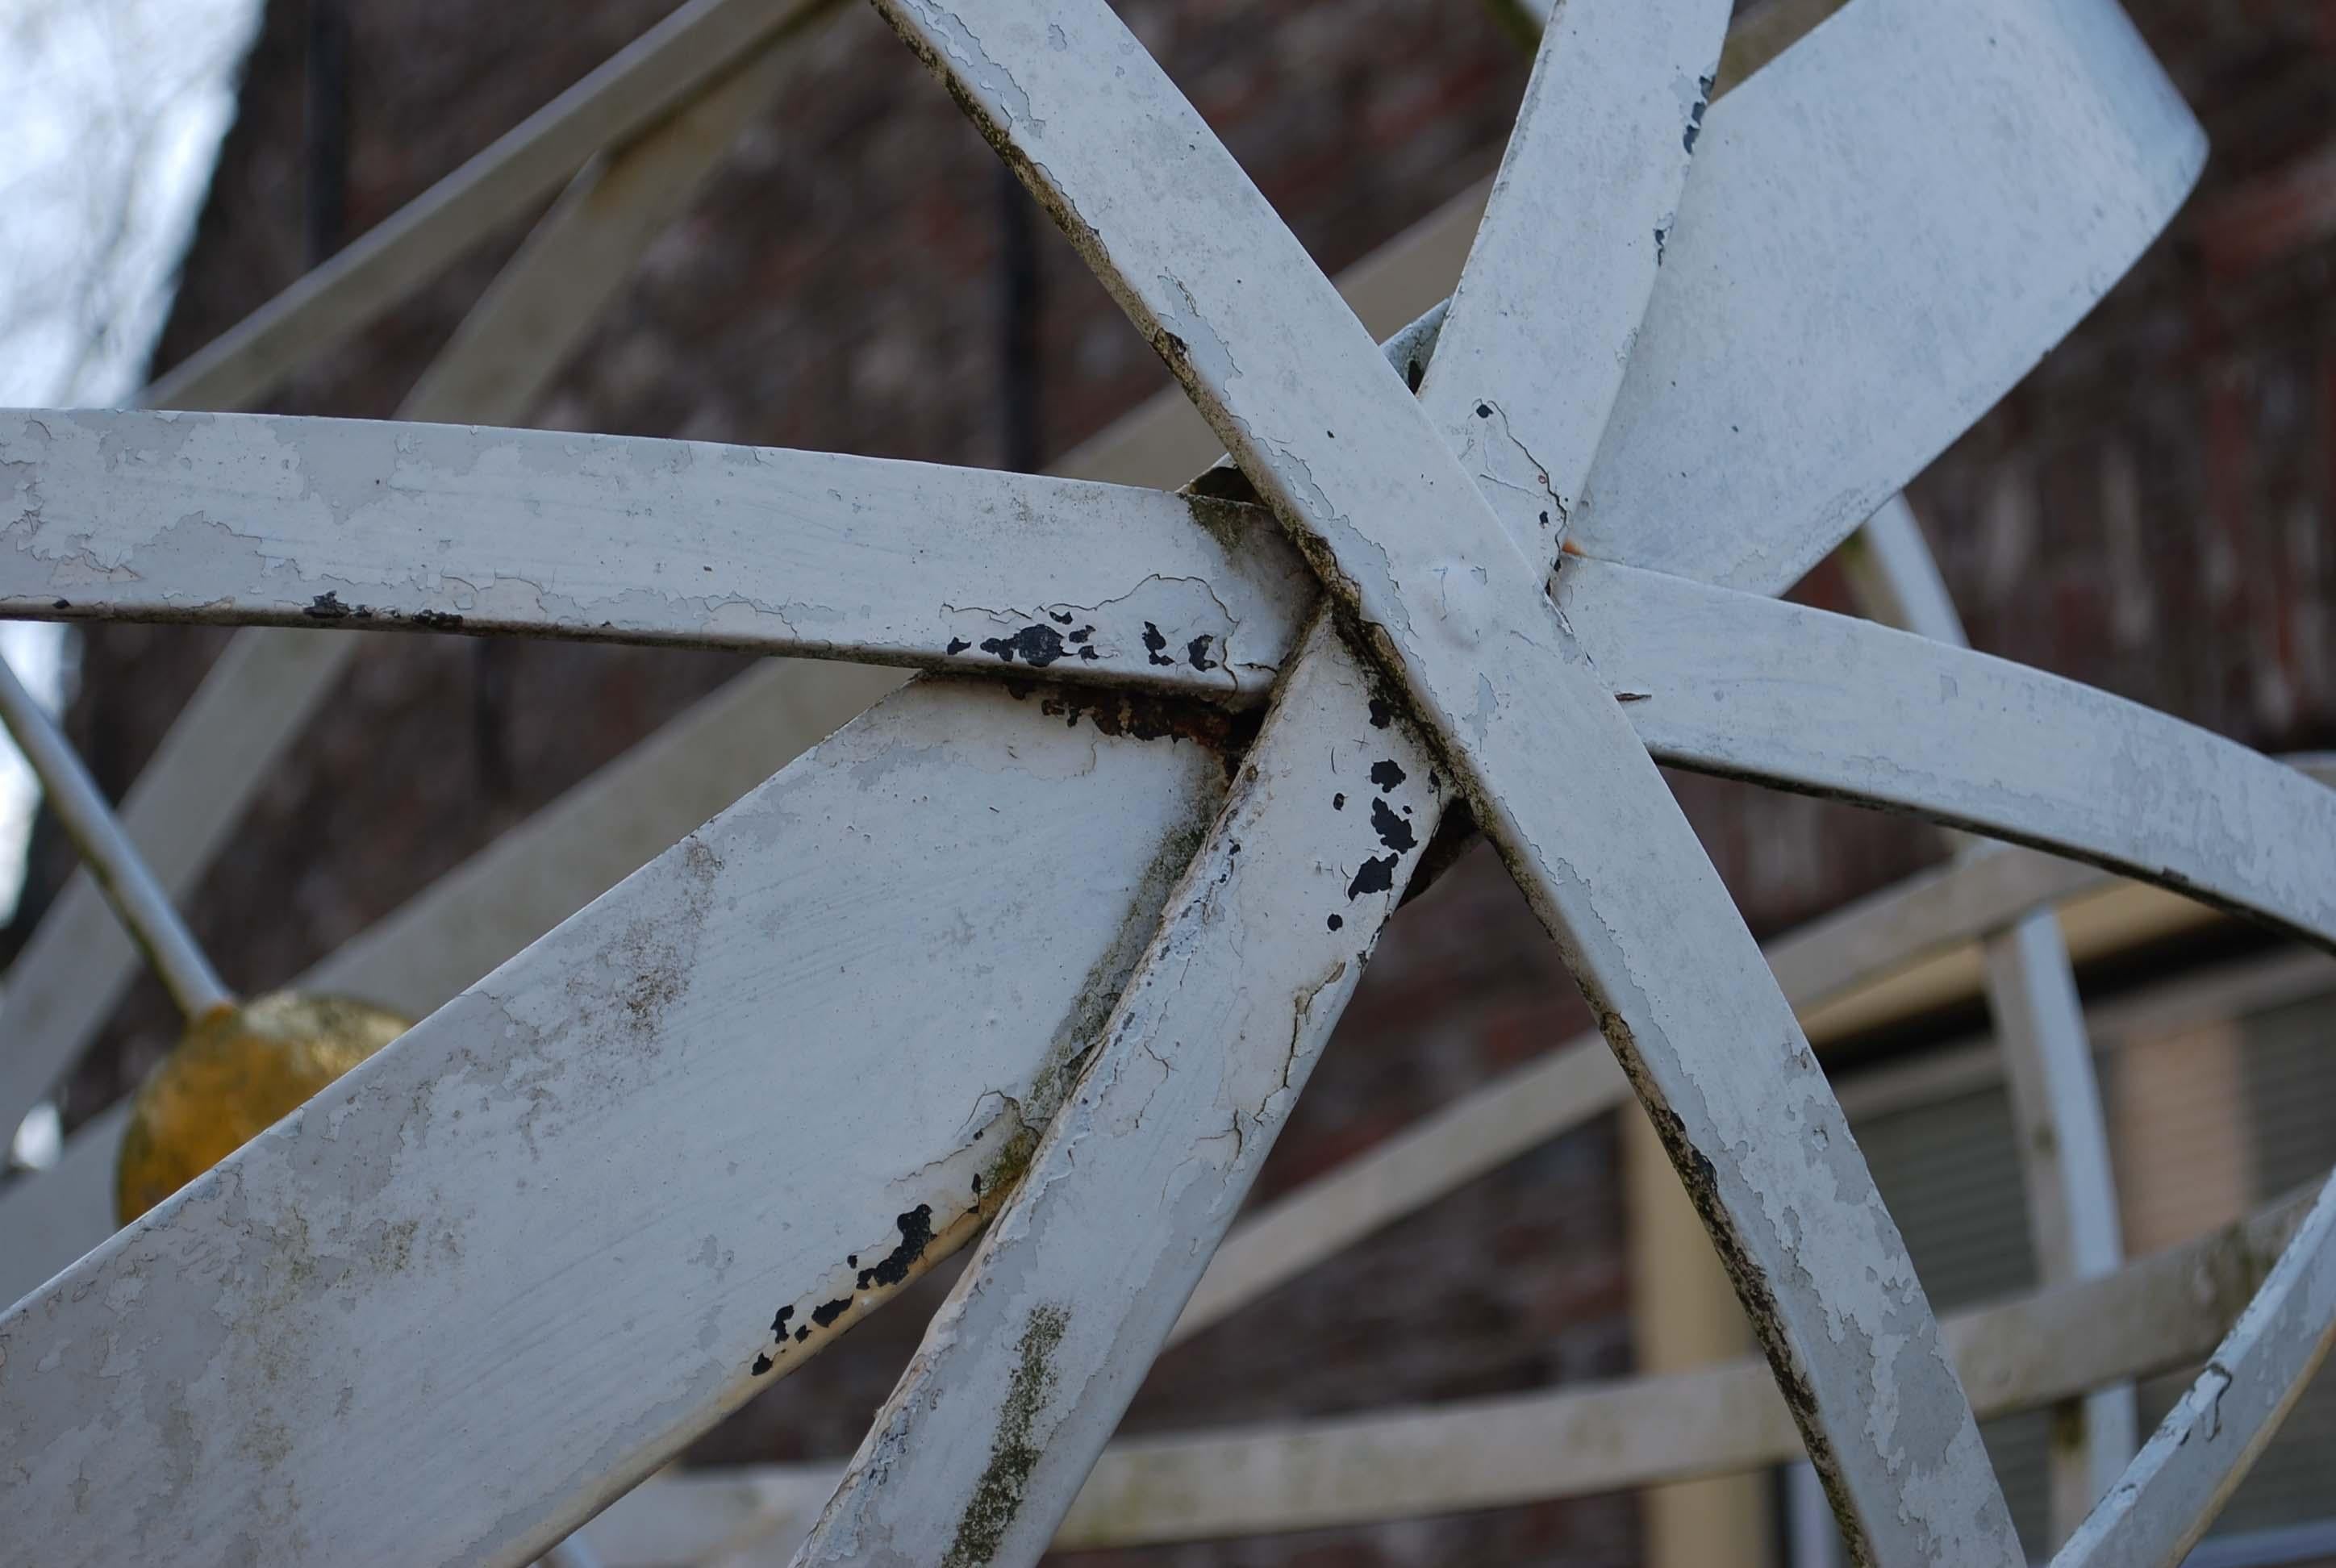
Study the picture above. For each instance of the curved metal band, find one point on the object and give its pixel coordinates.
(2156, 1313)
(1753, 687)
(2183, 1475)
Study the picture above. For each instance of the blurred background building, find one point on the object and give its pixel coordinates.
(2154, 512)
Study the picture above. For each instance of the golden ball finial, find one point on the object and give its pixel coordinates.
(235, 1072)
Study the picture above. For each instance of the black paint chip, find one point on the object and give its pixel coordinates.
(916, 1229)
(1375, 875)
(1392, 830)
(1037, 645)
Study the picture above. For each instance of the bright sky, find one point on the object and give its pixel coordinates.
(111, 115)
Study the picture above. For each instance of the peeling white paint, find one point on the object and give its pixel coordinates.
(2045, 198)
(753, 986)
(1393, 525)
(977, 1453)
(2163, 1312)
(1758, 688)
(246, 518)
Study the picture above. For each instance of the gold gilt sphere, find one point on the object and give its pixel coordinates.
(235, 1072)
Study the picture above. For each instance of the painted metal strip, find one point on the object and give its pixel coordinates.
(2183, 1474)
(1752, 688)
(559, 859)
(2039, 1029)
(1392, 523)
(258, 696)
(514, 528)
(470, 920)
(251, 519)
(2043, 200)
(199, 781)
(490, 1215)
(2161, 1312)
(1029, 1366)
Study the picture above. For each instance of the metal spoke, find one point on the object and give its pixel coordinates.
(258, 696)
(1029, 1365)
(1888, 88)
(144, 908)
(2162, 1312)
(1750, 686)
(514, 891)
(450, 1238)
(1595, 841)
(2039, 1027)
(418, 958)
(249, 519)
(655, 1008)
(2193, 1461)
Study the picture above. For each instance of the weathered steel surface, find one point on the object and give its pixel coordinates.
(198, 783)
(2039, 1029)
(195, 790)
(1753, 687)
(1549, 764)
(362, 523)
(2159, 1313)
(1524, 375)
(2083, 155)
(1486, 1127)
(977, 1453)
(1804, 171)
(520, 886)
(475, 1218)
(2186, 1471)
(526, 882)
(298, 521)
(1030, 1362)
(510, 893)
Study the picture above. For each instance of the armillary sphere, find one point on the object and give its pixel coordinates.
(1043, 947)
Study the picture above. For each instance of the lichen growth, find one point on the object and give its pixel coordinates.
(1013, 1452)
